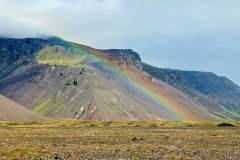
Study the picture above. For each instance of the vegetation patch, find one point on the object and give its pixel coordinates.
(145, 124)
(48, 106)
(42, 107)
(56, 55)
(20, 153)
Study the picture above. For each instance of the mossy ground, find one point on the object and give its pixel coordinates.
(154, 142)
(48, 106)
(78, 123)
(55, 55)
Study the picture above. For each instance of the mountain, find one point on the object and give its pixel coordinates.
(11, 111)
(56, 78)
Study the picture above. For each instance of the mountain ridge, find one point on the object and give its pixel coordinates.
(211, 92)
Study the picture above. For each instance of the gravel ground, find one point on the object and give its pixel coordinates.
(119, 143)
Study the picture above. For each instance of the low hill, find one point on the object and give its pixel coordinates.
(11, 111)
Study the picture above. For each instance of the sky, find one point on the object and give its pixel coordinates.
(202, 35)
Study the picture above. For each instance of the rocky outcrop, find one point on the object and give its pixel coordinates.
(126, 58)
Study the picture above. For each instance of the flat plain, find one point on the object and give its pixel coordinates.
(119, 142)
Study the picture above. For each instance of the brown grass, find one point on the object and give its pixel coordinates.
(70, 139)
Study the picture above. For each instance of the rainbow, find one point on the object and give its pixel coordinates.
(167, 105)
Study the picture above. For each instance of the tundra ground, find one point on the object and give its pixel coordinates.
(72, 142)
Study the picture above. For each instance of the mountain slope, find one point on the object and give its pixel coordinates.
(11, 111)
(219, 93)
(68, 80)
(17, 52)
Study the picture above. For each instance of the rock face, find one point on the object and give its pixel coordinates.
(11, 111)
(126, 58)
(68, 80)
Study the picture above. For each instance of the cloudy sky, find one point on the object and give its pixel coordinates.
(186, 34)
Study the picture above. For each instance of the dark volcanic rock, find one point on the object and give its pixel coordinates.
(17, 52)
(225, 125)
(127, 58)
